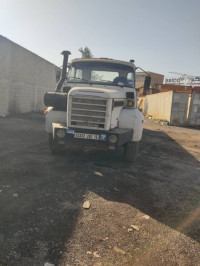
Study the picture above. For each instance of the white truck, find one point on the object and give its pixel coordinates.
(95, 107)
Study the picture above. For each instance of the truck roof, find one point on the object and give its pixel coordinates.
(106, 60)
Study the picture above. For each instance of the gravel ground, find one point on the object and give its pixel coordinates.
(146, 213)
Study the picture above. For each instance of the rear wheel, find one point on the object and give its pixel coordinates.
(131, 149)
(54, 146)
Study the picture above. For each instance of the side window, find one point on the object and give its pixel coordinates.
(74, 73)
(130, 78)
(71, 73)
(79, 74)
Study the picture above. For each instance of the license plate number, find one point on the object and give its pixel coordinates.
(86, 136)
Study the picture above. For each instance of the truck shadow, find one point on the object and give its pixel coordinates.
(164, 182)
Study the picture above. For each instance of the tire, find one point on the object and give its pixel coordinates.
(54, 146)
(131, 149)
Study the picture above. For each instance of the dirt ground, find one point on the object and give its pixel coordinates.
(147, 213)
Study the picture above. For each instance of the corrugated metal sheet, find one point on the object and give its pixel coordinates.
(179, 109)
(194, 111)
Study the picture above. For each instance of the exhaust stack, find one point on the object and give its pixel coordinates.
(64, 70)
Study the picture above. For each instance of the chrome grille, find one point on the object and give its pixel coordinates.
(88, 112)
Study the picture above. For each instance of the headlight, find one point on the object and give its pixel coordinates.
(130, 103)
(60, 133)
(112, 139)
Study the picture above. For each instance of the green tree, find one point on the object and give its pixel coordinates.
(86, 53)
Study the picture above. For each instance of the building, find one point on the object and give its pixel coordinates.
(184, 80)
(155, 79)
(24, 78)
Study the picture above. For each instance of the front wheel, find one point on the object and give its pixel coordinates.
(54, 146)
(131, 149)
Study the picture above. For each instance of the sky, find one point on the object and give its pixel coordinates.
(160, 35)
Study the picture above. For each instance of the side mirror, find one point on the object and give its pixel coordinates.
(147, 83)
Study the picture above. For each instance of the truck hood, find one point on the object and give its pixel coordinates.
(99, 92)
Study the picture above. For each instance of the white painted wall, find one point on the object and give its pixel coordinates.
(169, 106)
(158, 105)
(24, 79)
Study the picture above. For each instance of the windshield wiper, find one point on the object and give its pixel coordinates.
(101, 80)
(78, 79)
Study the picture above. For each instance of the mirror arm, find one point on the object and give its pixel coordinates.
(137, 89)
(143, 71)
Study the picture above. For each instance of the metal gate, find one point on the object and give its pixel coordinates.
(194, 112)
(179, 109)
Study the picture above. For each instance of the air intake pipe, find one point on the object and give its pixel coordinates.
(64, 70)
(57, 99)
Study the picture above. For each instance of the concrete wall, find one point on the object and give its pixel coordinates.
(24, 79)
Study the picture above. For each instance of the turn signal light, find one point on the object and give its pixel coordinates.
(130, 103)
(112, 139)
(60, 133)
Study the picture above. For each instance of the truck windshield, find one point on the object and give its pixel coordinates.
(105, 73)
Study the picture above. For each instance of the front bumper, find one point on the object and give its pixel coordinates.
(95, 139)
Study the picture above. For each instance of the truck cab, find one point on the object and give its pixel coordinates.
(95, 108)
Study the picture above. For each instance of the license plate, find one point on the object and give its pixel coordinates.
(86, 136)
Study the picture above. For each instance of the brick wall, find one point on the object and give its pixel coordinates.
(155, 79)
